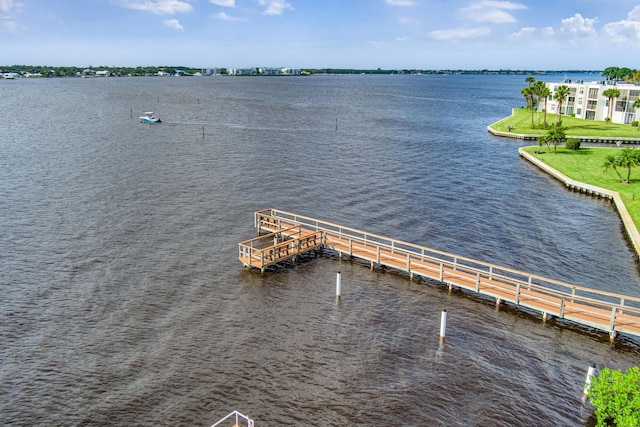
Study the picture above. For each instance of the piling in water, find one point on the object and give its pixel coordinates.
(587, 385)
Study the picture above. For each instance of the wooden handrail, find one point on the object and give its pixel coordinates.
(370, 239)
(579, 303)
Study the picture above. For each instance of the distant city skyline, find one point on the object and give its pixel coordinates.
(355, 34)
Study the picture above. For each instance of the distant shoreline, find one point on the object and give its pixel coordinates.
(44, 71)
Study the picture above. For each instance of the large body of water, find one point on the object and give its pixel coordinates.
(123, 302)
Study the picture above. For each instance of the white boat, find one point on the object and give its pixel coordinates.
(149, 118)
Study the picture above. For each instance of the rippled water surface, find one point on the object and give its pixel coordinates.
(123, 302)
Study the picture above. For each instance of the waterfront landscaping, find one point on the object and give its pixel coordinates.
(520, 123)
(588, 165)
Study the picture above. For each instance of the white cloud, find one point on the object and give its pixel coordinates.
(625, 31)
(225, 17)
(7, 5)
(225, 3)
(492, 11)
(524, 33)
(275, 7)
(6, 22)
(379, 44)
(579, 29)
(158, 7)
(532, 34)
(459, 33)
(401, 2)
(547, 31)
(173, 23)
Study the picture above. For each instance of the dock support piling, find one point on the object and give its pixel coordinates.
(443, 324)
(587, 384)
(338, 285)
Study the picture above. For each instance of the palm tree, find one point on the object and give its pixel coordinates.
(561, 94)
(538, 89)
(636, 105)
(611, 93)
(544, 93)
(610, 162)
(555, 134)
(530, 80)
(527, 92)
(628, 158)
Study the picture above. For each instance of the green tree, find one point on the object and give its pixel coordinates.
(610, 162)
(610, 72)
(628, 158)
(539, 90)
(555, 135)
(624, 73)
(561, 94)
(612, 93)
(542, 92)
(616, 397)
(527, 92)
(545, 92)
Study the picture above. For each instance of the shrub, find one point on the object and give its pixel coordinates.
(616, 397)
(572, 144)
(635, 123)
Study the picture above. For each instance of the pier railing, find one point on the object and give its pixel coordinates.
(235, 417)
(277, 246)
(596, 308)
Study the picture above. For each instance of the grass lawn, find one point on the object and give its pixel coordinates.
(520, 122)
(585, 165)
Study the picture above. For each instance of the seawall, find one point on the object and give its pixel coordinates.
(627, 221)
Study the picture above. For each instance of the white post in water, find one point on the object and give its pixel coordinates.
(587, 384)
(338, 285)
(443, 323)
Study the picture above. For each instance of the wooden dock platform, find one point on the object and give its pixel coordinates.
(283, 236)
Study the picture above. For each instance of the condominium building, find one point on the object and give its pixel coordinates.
(587, 101)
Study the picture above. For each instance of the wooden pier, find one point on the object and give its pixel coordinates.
(283, 236)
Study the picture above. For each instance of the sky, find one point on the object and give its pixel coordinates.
(369, 34)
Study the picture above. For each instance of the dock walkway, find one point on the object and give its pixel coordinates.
(283, 236)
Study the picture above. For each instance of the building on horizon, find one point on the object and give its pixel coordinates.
(587, 101)
(262, 71)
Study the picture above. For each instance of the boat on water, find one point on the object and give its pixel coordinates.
(150, 118)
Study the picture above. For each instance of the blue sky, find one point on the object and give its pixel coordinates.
(388, 34)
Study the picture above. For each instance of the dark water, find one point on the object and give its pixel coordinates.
(123, 302)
